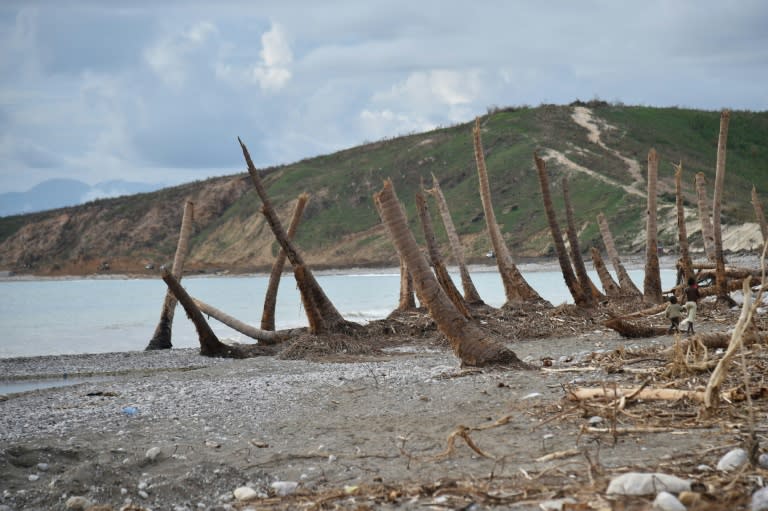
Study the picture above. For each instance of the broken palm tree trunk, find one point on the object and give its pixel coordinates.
(471, 295)
(686, 265)
(633, 330)
(652, 280)
(582, 298)
(270, 296)
(441, 272)
(606, 279)
(707, 231)
(210, 345)
(407, 300)
(265, 337)
(625, 282)
(717, 202)
(516, 289)
(161, 339)
(471, 344)
(760, 214)
(321, 313)
(587, 286)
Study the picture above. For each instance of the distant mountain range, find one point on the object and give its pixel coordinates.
(59, 193)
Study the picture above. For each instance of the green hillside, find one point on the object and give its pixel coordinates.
(339, 225)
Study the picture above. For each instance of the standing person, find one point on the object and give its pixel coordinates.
(674, 313)
(692, 295)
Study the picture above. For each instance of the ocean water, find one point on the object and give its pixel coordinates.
(54, 317)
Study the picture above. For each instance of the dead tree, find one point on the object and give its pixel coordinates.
(627, 286)
(471, 295)
(516, 288)
(609, 285)
(587, 286)
(161, 339)
(321, 313)
(717, 202)
(707, 231)
(581, 297)
(469, 342)
(407, 300)
(441, 272)
(652, 280)
(760, 214)
(270, 296)
(210, 345)
(682, 232)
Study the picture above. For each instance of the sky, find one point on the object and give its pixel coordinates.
(158, 92)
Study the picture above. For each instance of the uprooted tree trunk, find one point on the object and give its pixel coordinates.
(707, 231)
(441, 272)
(265, 337)
(717, 202)
(270, 296)
(760, 215)
(606, 279)
(625, 282)
(471, 344)
(652, 280)
(161, 339)
(321, 313)
(587, 286)
(686, 264)
(470, 292)
(632, 330)
(210, 345)
(581, 297)
(516, 289)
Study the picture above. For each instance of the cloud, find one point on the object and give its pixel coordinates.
(170, 57)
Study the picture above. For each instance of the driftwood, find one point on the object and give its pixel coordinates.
(583, 394)
(632, 330)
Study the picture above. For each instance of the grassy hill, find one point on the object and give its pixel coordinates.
(341, 228)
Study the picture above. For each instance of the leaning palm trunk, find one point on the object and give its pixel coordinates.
(161, 339)
(707, 231)
(270, 297)
(516, 288)
(470, 292)
(760, 214)
(441, 272)
(682, 232)
(321, 313)
(587, 286)
(472, 345)
(652, 280)
(609, 285)
(717, 202)
(265, 337)
(627, 286)
(580, 297)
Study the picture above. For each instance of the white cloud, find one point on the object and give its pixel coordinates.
(273, 72)
(169, 56)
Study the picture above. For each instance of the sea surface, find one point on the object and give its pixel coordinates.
(100, 315)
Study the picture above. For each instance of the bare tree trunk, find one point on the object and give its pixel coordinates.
(161, 339)
(652, 281)
(313, 296)
(707, 230)
(436, 258)
(516, 288)
(627, 286)
(580, 297)
(588, 288)
(760, 214)
(407, 300)
(609, 285)
(470, 292)
(210, 345)
(472, 345)
(682, 231)
(270, 297)
(266, 337)
(722, 140)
